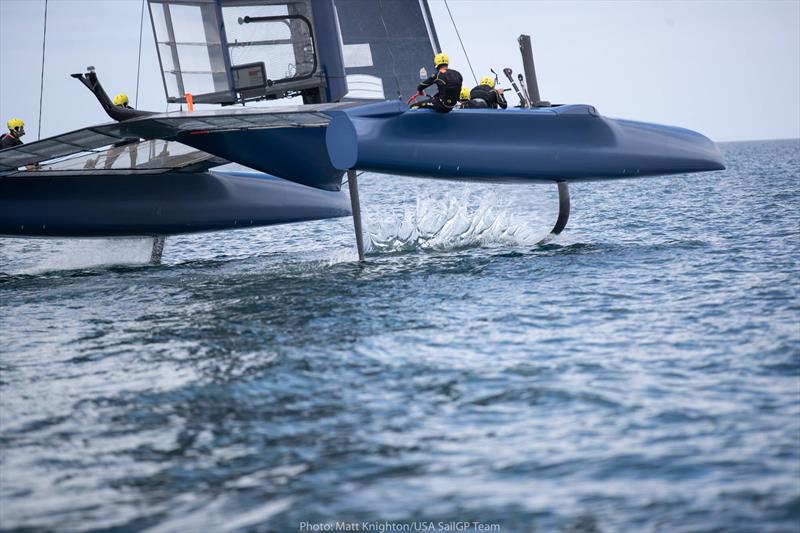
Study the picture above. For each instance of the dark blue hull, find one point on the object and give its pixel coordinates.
(47, 205)
(564, 143)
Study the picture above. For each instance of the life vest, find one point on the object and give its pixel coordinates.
(9, 141)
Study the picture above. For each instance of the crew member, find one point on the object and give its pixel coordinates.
(463, 98)
(447, 81)
(121, 100)
(485, 91)
(16, 129)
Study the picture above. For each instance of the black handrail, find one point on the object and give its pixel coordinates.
(278, 18)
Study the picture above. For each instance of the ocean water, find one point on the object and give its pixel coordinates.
(640, 373)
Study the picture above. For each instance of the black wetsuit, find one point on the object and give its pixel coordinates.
(449, 85)
(492, 98)
(9, 141)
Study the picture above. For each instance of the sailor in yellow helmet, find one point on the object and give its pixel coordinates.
(485, 91)
(463, 97)
(16, 129)
(448, 83)
(121, 100)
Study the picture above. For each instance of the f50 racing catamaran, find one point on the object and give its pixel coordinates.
(352, 62)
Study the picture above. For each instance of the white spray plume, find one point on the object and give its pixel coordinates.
(447, 222)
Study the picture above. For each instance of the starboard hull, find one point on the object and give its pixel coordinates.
(564, 143)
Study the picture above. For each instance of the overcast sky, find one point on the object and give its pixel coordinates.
(730, 70)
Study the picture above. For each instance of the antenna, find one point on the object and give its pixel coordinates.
(41, 85)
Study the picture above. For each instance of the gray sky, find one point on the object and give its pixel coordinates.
(730, 70)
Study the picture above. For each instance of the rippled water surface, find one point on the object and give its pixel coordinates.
(642, 373)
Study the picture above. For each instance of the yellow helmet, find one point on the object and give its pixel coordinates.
(487, 80)
(464, 94)
(121, 99)
(16, 124)
(441, 59)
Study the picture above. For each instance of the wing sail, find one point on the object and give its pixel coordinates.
(386, 44)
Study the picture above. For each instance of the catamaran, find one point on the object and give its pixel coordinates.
(353, 63)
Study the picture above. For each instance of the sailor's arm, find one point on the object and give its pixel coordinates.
(427, 83)
(501, 100)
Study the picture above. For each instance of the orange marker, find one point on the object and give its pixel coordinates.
(189, 102)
